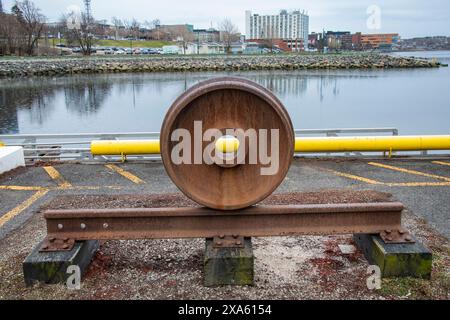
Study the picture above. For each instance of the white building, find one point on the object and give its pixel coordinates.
(286, 25)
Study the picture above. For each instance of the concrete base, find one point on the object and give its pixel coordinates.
(228, 266)
(51, 267)
(396, 260)
(11, 158)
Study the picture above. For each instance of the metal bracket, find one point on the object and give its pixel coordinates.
(234, 241)
(397, 236)
(52, 244)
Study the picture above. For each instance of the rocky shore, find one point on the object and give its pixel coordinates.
(64, 66)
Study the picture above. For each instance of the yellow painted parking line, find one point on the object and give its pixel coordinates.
(37, 188)
(414, 172)
(96, 187)
(57, 177)
(388, 184)
(353, 177)
(22, 188)
(21, 207)
(442, 163)
(419, 184)
(125, 174)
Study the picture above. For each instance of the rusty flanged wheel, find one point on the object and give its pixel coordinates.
(227, 103)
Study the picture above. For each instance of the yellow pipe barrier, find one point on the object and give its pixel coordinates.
(372, 144)
(125, 147)
(307, 145)
(2, 144)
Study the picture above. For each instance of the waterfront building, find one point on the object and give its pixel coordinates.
(347, 42)
(212, 48)
(313, 40)
(338, 40)
(288, 26)
(374, 41)
(206, 35)
(356, 41)
(278, 44)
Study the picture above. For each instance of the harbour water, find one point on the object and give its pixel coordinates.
(416, 101)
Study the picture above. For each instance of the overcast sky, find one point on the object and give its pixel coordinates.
(410, 18)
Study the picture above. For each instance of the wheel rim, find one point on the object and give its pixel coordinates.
(223, 103)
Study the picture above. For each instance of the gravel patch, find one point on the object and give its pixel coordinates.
(179, 200)
(309, 267)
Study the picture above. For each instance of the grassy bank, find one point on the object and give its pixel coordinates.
(136, 44)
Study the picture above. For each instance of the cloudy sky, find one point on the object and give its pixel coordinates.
(410, 18)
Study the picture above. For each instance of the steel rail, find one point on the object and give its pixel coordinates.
(194, 222)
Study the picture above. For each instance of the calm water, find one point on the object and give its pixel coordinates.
(414, 101)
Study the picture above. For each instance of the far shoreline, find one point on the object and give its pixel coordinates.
(53, 66)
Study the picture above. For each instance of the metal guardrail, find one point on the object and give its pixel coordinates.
(60, 147)
(335, 132)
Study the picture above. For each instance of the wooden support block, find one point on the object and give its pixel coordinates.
(51, 267)
(396, 260)
(228, 266)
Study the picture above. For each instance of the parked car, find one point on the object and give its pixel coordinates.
(154, 51)
(119, 52)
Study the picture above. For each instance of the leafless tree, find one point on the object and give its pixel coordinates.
(153, 29)
(132, 27)
(1, 7)
(230, 33)
(269, 37)
(12, 40)
(156, 27)
(32, 21)
(135, 28)
(183, 36)
(81, 34)
(117, 25)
